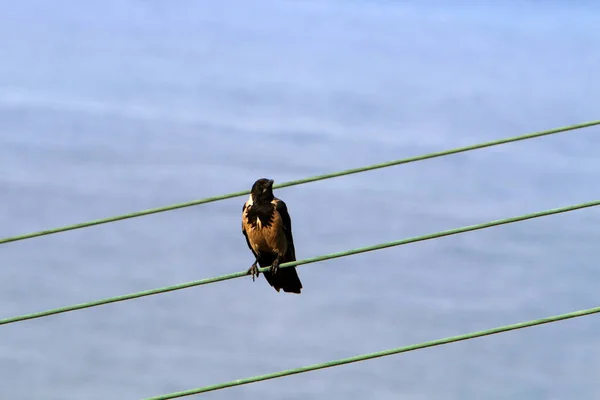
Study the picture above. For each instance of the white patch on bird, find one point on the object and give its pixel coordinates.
(249, 203)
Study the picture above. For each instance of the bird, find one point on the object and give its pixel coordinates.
(267, 227)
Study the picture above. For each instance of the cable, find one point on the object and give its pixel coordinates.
(298, 182)
(300, 262)
(378, 354)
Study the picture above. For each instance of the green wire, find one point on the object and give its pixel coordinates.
(299, 181)
(299, 262)
(378, 354)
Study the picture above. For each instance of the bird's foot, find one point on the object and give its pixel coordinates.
(274, 267)
(253, 270)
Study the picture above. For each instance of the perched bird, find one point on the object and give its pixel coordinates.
(267, 227)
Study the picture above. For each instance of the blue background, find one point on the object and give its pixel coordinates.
(113, 106)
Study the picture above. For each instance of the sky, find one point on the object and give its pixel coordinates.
(108, 107)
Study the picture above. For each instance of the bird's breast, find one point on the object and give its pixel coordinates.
(265, 234)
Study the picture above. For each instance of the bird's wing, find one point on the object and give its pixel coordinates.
(287, 228)
(243, 215)
(244, 231)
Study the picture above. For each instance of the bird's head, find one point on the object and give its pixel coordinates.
(262, 190)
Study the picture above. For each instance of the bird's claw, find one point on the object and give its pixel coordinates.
(253, 270)
(274, 267)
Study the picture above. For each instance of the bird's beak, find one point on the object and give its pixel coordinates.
(269, 186)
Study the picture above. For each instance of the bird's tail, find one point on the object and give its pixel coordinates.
(285, 278)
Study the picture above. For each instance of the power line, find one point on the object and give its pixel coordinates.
(299, 262)
(298, 182)
(378, 354)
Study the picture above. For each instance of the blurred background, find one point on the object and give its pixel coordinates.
(113, 106)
